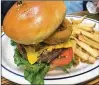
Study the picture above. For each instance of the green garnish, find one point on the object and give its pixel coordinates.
(13, 43)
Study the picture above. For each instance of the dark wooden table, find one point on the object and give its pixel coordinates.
(94, 81)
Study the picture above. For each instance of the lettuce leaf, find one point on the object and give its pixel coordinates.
(19, 60)
(34, 73)
(13, 43)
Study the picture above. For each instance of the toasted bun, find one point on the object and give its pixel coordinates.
(33, 21)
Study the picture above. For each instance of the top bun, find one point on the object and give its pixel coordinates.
(33, 21)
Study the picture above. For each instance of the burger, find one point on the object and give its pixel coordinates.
(41, 34)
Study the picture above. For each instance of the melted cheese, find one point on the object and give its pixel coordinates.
(32, 55)
(62, 45)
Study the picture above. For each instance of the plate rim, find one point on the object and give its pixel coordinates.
(62, 77)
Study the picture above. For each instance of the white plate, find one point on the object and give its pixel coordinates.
(81, 73)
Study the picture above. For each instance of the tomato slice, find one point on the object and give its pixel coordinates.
(65, 58)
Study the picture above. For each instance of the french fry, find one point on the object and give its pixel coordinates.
(92, 25)
(76, 60)
(91, 60)
(86, 27)
(88, 41)
(85, 56)
(78, 21)
(73, 34)
(74, 45)
(87, 44)
(75, 31)
(81, 54)
(86, 47)
(96, 32)
(98, 51)
(94, 36)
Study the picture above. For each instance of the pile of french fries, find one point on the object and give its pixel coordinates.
(85, 41)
